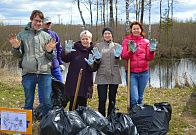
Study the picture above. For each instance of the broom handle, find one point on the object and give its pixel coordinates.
(128, 86)
(77, 89)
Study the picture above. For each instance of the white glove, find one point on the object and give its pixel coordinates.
(62, 67)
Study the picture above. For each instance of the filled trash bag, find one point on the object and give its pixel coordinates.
(54, 123)
(58, 94)
(165, 106)
(92, 118)
(59, 122)
(90, 131)
(76, 122)
(120, 124)
(151, 120)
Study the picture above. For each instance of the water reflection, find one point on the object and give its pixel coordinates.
(172, 73)
(163, 74)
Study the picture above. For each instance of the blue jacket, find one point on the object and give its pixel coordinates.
(57, 59)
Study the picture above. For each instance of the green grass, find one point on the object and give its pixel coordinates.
(181, 100)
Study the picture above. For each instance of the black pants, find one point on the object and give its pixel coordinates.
(81, 101)
(102, 95)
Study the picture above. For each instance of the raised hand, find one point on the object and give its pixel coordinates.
(51, 45)
(90, 59)
(118, 50)
(14, 41)
(69, 46)
(153, 45)
(132, 46)
(96, 53)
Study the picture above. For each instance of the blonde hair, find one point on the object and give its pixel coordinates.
(87, 33)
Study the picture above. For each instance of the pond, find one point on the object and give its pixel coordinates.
(165, 73)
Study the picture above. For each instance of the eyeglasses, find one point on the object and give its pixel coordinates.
(38, 21)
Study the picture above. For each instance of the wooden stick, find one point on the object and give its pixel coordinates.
(128, 86)
(77, 89)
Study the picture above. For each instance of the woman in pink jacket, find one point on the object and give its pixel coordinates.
(140, 51)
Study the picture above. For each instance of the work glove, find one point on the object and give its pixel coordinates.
(90, 59)
(69, 46)
(14, 41)
(62, 67)
(96, 53)
(153, 45)
(132, 46)
(118, 50)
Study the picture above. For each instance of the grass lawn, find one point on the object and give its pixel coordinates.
(182, 101)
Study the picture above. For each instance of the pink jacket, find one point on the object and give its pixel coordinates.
(141, 57)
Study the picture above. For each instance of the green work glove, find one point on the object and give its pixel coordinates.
(132, 46)
(69, 46)
(90, 59)
(96, 53)
(118, 50)
(153, 45)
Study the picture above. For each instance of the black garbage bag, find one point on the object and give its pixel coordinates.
(92, 118)
(165, 106)
(150, 120)
(90, 131)
(55, 123)
(120, 124)
(37, 112)
(60, 122)
(76, 122)
(58, 96)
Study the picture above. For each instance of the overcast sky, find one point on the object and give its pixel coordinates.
(65, 11)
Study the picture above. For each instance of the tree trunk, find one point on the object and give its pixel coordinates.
(142, 12)
(111, 14)
(84, 24)
(104, 13)
(127, 18)
(91, 13)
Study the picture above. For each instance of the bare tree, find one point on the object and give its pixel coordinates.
(142, 12)
(84, 24)
(127, 17)
(111, 23)
(104, 12)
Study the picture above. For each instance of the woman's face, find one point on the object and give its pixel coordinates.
(85, 41)
(136, 30)
(107, 36)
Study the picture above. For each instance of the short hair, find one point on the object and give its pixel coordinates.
(35, 13)
(87, 33)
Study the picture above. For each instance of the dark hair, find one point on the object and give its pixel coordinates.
(140, 25)
(107, 29)
(35, 13)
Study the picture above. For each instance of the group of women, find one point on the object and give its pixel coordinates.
(104, 58)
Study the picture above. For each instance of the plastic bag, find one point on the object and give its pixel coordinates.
(150, 120)
(120, 124)
(58, 94)
(76, 122)
(92, 118)
(55, 123)
(90, 131)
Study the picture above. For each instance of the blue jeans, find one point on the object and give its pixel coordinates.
(29, 82)
(138, 82)
(56, 73)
